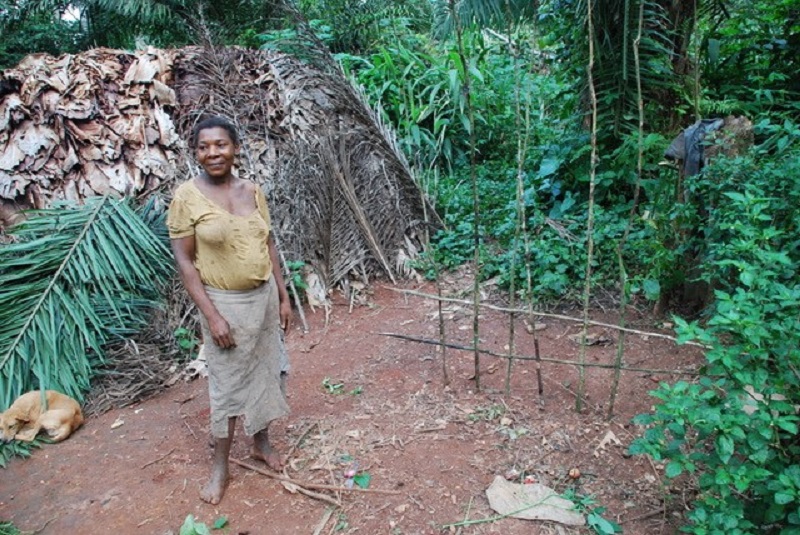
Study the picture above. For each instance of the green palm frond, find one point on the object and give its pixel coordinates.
(75, 278)
(615, 25)
(147, 10)
(482, 13)
(16, 448)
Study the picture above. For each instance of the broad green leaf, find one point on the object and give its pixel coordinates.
(362, 479)
(188, 526)
(673, 469)
(652, 289)
(725, 448)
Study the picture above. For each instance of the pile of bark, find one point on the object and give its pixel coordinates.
(114, 122)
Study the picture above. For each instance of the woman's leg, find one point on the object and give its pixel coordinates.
(263, 450)
(215, 488)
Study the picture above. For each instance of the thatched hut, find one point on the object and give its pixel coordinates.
(114, 122)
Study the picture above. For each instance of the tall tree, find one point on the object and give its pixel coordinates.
(131, 23)
(25, 31)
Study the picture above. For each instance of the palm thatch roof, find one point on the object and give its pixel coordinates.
(109, 121)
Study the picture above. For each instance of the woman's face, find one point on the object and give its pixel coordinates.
(215, 151)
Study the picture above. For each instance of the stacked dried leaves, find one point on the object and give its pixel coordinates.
(85, 125)
(108, 121)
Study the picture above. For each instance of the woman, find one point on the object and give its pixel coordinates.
(219, 227)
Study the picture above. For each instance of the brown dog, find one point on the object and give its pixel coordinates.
(26, 417)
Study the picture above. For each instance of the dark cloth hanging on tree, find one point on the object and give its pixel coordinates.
(688, 146)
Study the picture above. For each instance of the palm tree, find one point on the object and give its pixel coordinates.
(668, 66)
(165, 23)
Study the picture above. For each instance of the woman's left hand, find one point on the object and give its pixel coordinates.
(285, 314)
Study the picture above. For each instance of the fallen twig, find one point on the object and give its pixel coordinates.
(189, 427)
(302, 436)
(154, 461)
(311, 494)
(306, 485)
(325, 517)
(545, 315)
(496, 517)
(41, 529)
(523, 357)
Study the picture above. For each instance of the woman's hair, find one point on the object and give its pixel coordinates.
(214, 121)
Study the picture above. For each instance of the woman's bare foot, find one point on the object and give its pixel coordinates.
(215, 488)
(263, 450)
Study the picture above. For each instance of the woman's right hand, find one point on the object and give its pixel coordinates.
(184, 250)
(221, 332)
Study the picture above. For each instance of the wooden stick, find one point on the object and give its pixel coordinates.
(154, 461)
(190, 429)
(324, 521)
(297, 442)
(545, 315)
(301, 489)
(538, 358)
(542, 359)
(295, 295)
(316, 495)
(623, 277)
(587, 285)
(305, 485)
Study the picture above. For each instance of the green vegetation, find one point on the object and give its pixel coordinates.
(187, 342)
(594, 513)
(735, 431)
(74, 279)
(731, 233)
(336, 388)
(7, 528)
(193, 527)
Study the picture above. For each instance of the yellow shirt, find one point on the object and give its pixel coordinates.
(231, 251)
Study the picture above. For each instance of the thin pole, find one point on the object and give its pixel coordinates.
(543, 359)
(549, 315)
(476, 291)
(623, 279)
(590, 222)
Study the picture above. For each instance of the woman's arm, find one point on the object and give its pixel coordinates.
(184, 249)
(283, 295)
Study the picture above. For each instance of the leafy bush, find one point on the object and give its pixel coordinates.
(419, 85)
(735, 431)
(556, 240)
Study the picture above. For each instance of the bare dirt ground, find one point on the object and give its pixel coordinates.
(360, 397)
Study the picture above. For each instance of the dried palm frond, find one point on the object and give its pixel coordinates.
(74, 279)
(340, 192)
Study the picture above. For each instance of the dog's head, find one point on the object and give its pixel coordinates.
(9, 426)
